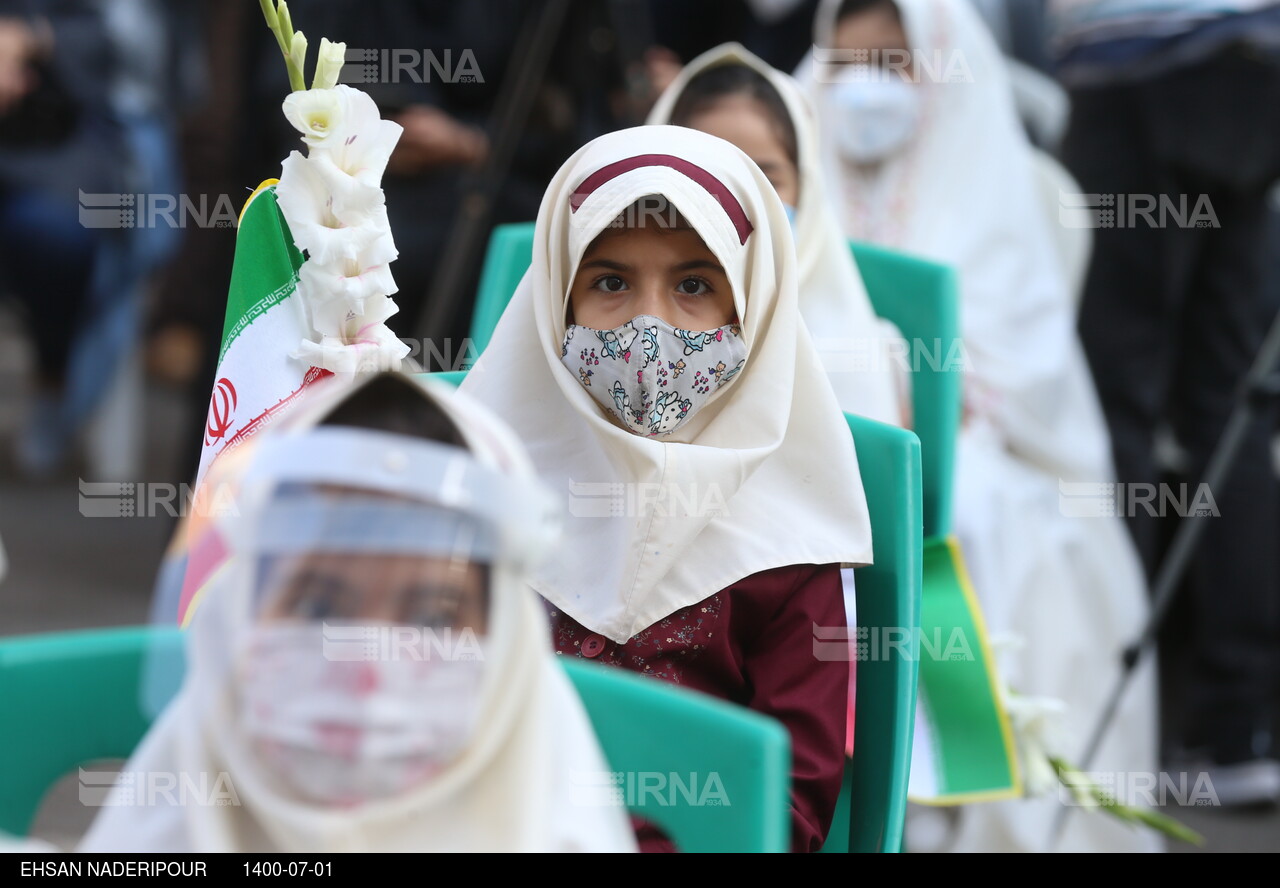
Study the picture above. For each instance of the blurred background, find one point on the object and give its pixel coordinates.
(111, 310)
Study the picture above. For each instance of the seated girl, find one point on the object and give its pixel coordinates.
(654, 363)
(924, 148)
(730, 93)
(368, 671)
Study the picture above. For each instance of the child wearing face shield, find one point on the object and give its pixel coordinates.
(368, 671)
(732, 94)
(922, 143)
(655, 363)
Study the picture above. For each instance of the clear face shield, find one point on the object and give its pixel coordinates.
(364, 565)
(364, 666)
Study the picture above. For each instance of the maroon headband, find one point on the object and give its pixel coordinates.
(710, 183)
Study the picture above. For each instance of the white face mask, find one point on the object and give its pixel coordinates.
(342, 732)
(872, 116)
(651, 375)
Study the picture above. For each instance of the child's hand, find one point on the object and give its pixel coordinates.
(432, 139)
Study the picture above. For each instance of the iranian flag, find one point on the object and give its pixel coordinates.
(963, 749)
(258, 377)
(257, 380)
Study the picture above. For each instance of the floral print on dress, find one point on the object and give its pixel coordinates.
(653, 376)
(664, 650)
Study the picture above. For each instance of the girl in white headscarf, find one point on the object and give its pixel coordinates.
(654, 362)
(369, 672)
(730, 93)
(922, 144)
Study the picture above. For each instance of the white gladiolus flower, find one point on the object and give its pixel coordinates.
(335, 241)
(321, 115)
(344, 124)
(351, 199)
(1035, 725)
(367, 244)
(1033, 720)
(334, 204)
(367, 140)
(377, 349)
(334, 299)
(329, 61)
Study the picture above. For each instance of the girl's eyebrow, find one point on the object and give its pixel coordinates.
(605, 263)
(696, 264)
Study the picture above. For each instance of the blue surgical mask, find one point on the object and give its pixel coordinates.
(791, 216)
(872, 115)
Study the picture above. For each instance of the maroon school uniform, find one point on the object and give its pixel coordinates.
(752, 644)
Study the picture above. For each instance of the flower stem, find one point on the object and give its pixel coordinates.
(1076, 781)
(282, 27)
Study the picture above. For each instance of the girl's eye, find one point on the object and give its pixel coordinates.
(610, 283)
(314, 597)
(429, 605)
(435, 614)
(692, 286)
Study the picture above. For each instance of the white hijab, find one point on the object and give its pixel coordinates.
(852, 342)
(511, 790)
(771, 447)
(963, 192)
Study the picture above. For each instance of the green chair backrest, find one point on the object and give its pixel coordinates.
(919, 296)
(509, 255)
(67, 699)
(888, 602)
(714, 776)
(73, 698)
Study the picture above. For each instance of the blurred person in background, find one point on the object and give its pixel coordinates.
(925, 153)
(86, 159)
(57, 138)
(1020, 30)
(731, 93)
(1175, 110)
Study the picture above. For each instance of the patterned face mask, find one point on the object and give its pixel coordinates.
(649, 374)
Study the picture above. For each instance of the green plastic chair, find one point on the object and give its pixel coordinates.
(67, 699)
(919, 296)
(73, 698)
(888, 602)
(508, 257)
(749, 753)
(873, 805)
